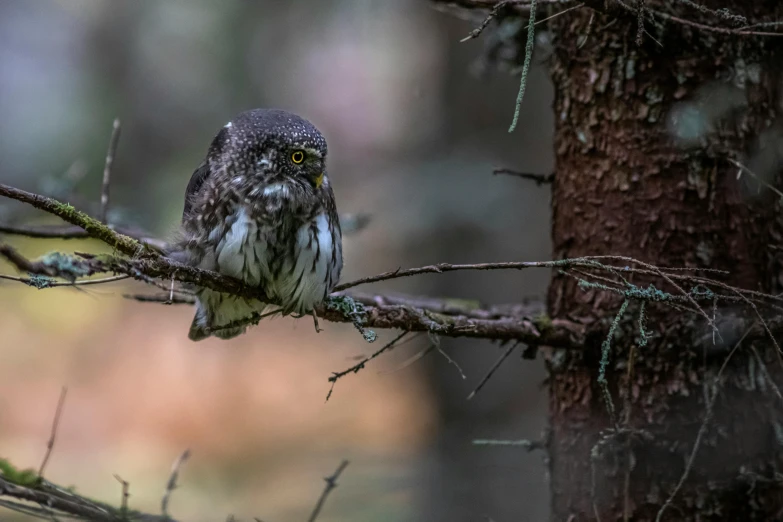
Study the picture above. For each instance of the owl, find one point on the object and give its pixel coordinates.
(260, 208)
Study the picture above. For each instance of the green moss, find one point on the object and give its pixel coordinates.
(40, 282)
(66, 266)
(126, 245)
(543, 322)
(441, 319)
(23, 477)
(352, 310)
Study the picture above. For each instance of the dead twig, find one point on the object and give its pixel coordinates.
(55, 424)
(75, 232)
(451, 361)
(171, 485)
(492, 14)
(702, 429)
(492, 370)
(742, 168)
(529, 445)
(331, 483)
(540, 179)
(112, 151)
(46, 283)
(125, 495)
(360, 365)
(410, 360)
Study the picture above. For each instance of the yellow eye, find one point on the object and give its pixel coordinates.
(297, 157)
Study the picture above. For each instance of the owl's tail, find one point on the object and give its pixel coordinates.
(216, 311)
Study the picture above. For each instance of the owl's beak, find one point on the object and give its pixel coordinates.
(319, 179)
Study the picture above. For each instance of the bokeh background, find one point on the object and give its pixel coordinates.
(415, 123)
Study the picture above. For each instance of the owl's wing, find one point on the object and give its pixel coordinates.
(194, 185)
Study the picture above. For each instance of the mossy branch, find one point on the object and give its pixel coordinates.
(26, 492)
(446, 317)
(94, 228)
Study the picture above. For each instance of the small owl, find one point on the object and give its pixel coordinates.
(260, 208)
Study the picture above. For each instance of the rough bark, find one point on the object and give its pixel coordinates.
(623, 185)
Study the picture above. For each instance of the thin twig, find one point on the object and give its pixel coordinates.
(55, 424)
(492, 370)
(560, 13)
(171, 485)
(762, 24)
(766, 373)
(702, 429)
(492, 14)
(125, 494)
(451, 361)
(710, 28)
(360, 365)
(112, 151)
(540, 179)
(437, 269)
(331, 483)
(723, 14)
(742, 168)
(582, 40)
(627, 422)
(411, 360)
(54, 284)
(529, 445)
(76, 232)
(184, 299)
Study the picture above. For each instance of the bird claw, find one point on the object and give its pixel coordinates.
(315, 322)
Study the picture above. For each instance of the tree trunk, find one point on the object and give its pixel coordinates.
(643, 133)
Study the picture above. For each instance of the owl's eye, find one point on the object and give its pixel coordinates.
(297, 156)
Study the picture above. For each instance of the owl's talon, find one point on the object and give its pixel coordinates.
(315, 322)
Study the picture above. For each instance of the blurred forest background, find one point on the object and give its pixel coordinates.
(415, 127)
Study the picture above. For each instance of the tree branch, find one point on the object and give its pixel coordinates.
(625, 9)
(331, 483)
(447, 317)
(60, 501)
(76, 232)
(94, 228)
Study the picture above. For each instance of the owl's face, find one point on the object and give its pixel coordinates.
(266, 146)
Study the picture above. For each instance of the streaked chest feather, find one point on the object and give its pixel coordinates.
(295, 263)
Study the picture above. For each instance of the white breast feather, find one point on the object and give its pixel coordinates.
(276, 188)
(238, 252)
(313, 283)
(242, 253)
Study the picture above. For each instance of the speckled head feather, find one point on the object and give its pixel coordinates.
(277, 128)
(261, 208)
(255, 143)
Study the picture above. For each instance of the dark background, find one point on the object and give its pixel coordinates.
(414, 131)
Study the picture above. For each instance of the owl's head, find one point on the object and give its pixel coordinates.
(271, 146)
